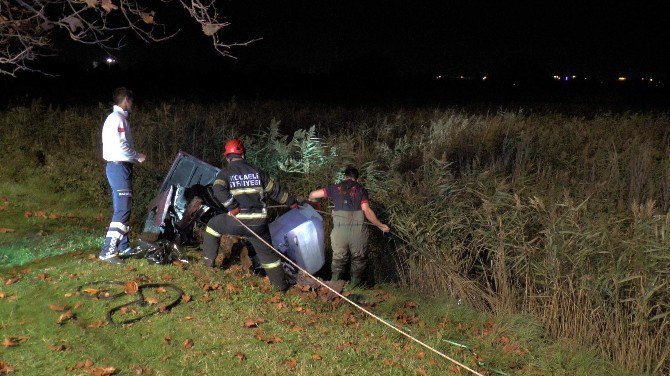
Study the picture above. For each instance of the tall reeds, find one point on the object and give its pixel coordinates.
(561, 216)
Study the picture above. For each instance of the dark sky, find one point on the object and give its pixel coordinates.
(423, 37)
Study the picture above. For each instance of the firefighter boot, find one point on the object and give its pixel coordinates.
(277, 277)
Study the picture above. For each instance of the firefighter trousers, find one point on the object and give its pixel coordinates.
(224, 224)
(349, 236)
(120, 178)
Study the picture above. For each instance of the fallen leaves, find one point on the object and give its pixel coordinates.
(167, 277)
(187, 344)
(96, 324)
(291, 363)
(186, 298)
(4, 230)
(87, 365)
(316, 357)
(130, 288)
(58, 308)
(5, 368)
(14, 341)
(151, 300)
(240, 356)
(12, 281)
(64, 317)
(91, 291)
(252, 323)
(60, 347)
(269, 339)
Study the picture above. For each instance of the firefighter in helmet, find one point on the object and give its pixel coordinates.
(349, 235)
(243, 189)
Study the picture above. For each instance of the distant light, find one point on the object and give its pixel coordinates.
(461, 77)
(566, 78)
(622, 78)
(438, 77)
(573, 77)
(110, 60)
(651, 80)
(484, 78)
(643, 78)
(557, 78)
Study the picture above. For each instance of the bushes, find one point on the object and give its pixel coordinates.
(564, 217)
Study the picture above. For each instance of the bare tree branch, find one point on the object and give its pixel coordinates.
(27, 26)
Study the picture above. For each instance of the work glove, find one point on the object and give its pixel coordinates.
(294, 205)
(234, 212)
(315, 204)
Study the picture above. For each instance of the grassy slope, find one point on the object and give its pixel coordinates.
(323, 339)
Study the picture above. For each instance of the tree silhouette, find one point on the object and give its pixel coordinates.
(27, 27)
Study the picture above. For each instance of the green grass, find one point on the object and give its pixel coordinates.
(316, 334)
(69, 224)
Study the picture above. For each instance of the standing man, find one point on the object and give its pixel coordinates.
(118, 149)
(349, 232)
(242, 190)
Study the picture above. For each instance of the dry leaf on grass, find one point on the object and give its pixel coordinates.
(167, 277)
(9, 342)
(161, 290)
(291, 363)
(96, 324)
(252, 323)
(6, 230)
(58, 308)
(151, 300)
(11, 281)
(186, 298)
(316, 357)
(5, 368)
(64, 317)
(240, 356)
(60, 347)
(91, 291)
(77, 305)
(130, 288)
(102, 371)
(188, 344)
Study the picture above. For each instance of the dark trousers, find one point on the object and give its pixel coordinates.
(224, 224)
(120, 178)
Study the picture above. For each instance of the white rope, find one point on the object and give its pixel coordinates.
(357, 305)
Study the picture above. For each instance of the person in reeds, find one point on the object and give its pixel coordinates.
(349, 234)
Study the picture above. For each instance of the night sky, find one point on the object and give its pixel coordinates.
(427, 37)
(395, 48)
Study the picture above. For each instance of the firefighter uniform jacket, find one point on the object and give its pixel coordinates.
(239, 185)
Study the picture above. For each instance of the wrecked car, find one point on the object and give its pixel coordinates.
(185, 203)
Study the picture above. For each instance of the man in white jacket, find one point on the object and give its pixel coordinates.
(118, 149)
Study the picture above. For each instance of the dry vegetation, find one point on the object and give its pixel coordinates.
(564, 217)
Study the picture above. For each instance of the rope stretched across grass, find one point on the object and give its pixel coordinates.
(407, 335)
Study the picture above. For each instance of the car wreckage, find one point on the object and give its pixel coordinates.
(177, 215)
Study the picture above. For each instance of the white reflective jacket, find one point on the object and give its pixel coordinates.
(117, 140)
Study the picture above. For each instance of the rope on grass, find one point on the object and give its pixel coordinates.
(357, 305)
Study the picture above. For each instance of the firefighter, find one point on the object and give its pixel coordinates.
(349, 235)
(242, 189)
(118, 150)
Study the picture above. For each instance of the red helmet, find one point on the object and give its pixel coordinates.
(233, 146)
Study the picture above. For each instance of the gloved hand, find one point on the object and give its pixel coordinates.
(294, 205)
(315, 204)
(234, 212)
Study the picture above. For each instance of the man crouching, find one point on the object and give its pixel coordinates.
(242, 190)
